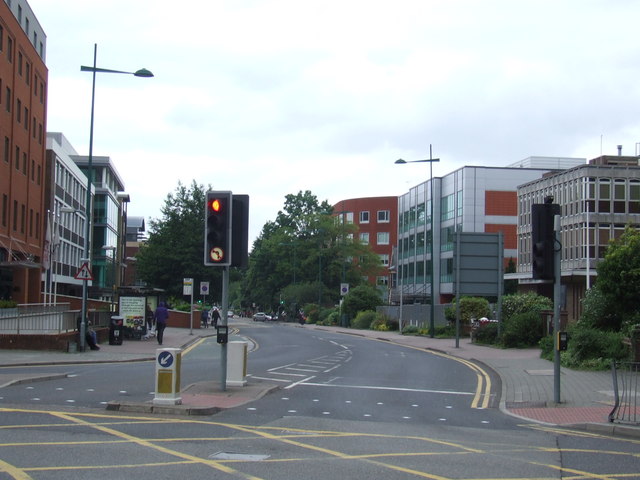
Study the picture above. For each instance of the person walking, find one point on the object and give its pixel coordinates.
(161, 316)
(215, 316)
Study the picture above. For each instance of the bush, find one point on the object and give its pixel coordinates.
(8, 304)
(332, 319)
(470, 307)
(364, 320)
(522, 330)
(589, 348)
(487, 334)
(410, 330)
(384, 323)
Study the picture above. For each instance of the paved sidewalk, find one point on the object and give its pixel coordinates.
(527, 380)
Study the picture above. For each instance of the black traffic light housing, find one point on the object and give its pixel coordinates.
(240, 232)
(217, 229)
(543, 240)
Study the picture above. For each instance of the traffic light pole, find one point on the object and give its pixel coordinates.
(557, 298)
(224, 318)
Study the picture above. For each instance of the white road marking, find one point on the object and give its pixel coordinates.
(373, 387)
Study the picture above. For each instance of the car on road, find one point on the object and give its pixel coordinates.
(229, 314)
(260, 317)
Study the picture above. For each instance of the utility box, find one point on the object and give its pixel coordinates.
(237, 364)
(168, 362)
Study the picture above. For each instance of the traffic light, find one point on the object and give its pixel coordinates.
(543, 240)
(240, 231)
(217, 229)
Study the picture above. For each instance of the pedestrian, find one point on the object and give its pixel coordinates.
(161, 316)
(148, 316)
(215, 316)
(204, 317)
(90, 335)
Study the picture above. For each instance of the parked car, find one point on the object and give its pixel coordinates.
(260, 317)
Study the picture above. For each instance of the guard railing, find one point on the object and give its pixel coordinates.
(626, 390)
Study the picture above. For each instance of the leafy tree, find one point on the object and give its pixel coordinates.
(360, 299)
(619, 279)
(305, 248)
(174, 250)
(510, 286)
(523, 303)
(470, 307)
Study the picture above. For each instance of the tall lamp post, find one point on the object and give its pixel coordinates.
(87, 241)
(432, 324)
(113, 274)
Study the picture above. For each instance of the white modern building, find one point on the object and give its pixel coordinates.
(470, 199)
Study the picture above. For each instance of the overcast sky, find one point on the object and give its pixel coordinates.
(270, 97)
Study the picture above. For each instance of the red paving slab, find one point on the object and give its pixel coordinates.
(565, 415)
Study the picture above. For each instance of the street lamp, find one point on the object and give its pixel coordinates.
(87, 242)
(432, 325)
(113, 275)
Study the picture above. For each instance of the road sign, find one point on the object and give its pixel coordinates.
(84, 273)
(165, 359)
(344, 289)
(204, 288)
(187, 286)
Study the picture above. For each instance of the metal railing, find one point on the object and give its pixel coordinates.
(626, 390)
(41, 318)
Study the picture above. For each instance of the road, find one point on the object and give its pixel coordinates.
(348, 408)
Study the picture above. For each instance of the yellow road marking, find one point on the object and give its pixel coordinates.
(16, 473)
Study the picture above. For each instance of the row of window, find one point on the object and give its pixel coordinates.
(419, 215)
(382, 238)
(20, 218)
(21, 163)
(22, 114)
(383, 216)
(24, 22)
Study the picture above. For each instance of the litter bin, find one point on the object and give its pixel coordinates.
(116, 330)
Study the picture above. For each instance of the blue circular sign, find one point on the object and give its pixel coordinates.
(165, 359)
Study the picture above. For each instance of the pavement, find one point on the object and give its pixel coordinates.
(527, 381)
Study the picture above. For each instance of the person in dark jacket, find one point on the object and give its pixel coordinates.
(161, 316)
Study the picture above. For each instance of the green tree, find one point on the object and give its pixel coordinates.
(174, 250)
(360, 299)
(307, 247)
(523, 303)
(619, 279)
(470, 307)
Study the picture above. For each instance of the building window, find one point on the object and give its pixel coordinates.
(7, 97)
(634, 196)
(384, 259)
(17, 158)
(447, 207)
(364, 217)
(15, 215)
(9, 50)
(7, 149)
(382, 280)
(383, 216)
(383, 238)
(5, 209)
(364, 238)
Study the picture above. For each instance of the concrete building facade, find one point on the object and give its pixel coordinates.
(597, 201)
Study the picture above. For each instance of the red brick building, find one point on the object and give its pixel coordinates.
(377, 222)
(23, 100)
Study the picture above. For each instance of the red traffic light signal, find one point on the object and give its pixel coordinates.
(217, 229)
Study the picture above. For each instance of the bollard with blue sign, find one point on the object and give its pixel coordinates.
(168, 362)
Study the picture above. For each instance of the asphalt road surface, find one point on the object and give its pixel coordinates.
(347, 408)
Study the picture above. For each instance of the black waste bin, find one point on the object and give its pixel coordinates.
(116, 330)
